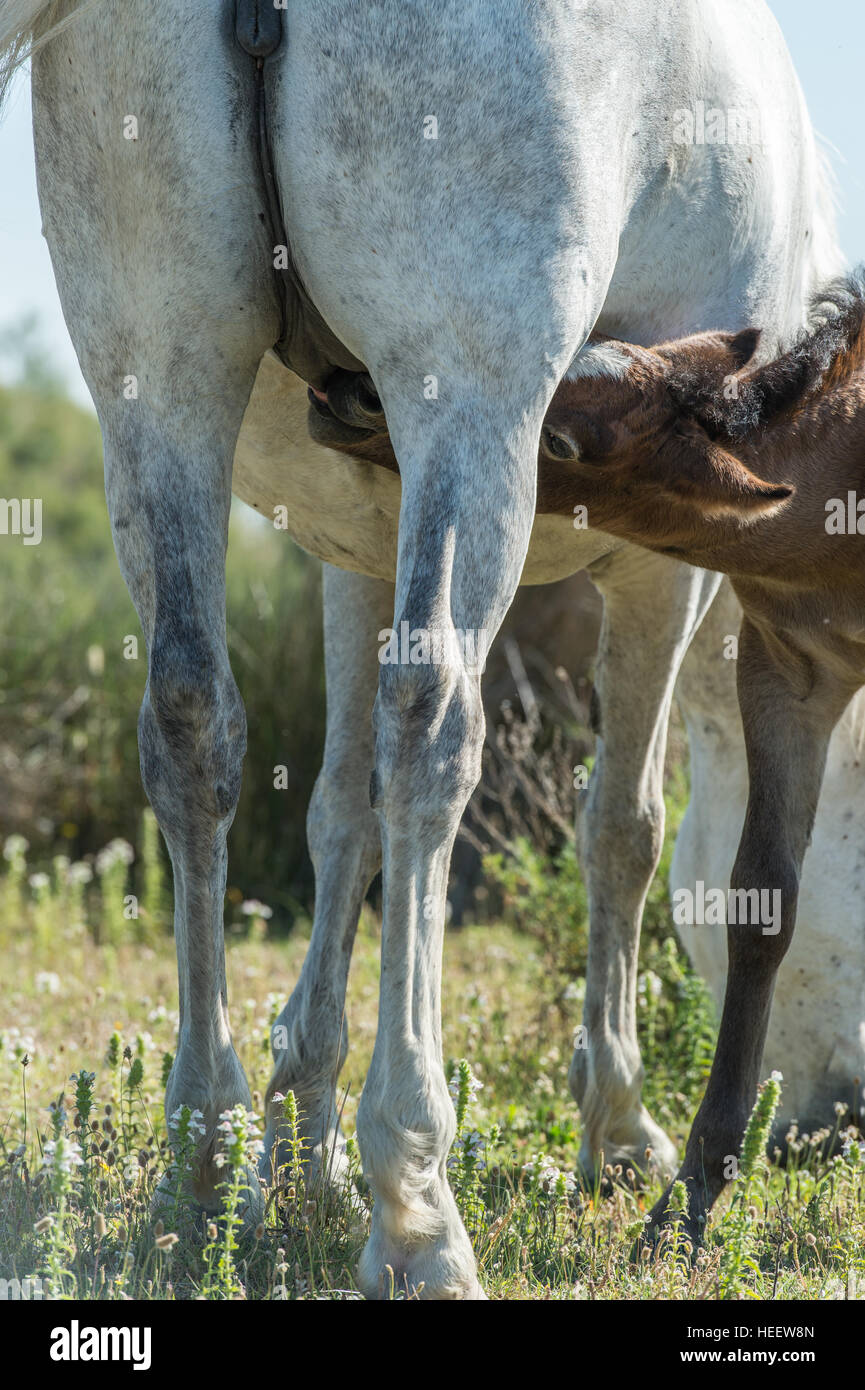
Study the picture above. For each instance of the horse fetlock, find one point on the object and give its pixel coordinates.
(405, 1132)
(617, 1128)
(688, 1226)
(314, 1149)
(208, 1081)
(643, 1149)
(306, 1133)
(202, 1188)
(418, 1246)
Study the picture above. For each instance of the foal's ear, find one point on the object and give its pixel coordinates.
(697, 470)
(740, 347)
(724, 353)
(704, 375)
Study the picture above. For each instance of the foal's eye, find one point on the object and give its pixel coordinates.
(559, 445)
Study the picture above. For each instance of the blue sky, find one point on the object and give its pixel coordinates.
(827, 41)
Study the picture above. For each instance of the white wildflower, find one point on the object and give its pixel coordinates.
(62, 1156)
(454, 1086)
(240, 1135)
(116, 852)
(253, 908)
(195, 1123)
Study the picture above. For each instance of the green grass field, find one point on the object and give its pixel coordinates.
(88, 1007)
(74, 1007)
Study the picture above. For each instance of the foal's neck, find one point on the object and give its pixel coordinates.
(819, 448)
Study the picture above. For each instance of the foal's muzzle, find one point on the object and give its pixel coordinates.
(347, 409)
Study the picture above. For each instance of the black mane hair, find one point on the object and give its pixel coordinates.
(825, 354)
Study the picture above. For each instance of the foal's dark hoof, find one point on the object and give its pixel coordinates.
(664, 1226)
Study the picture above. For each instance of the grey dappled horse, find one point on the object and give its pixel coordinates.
(464, 272)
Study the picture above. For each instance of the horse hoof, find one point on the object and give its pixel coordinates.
(199, 1198)
(648, 1161)
(663, 1225)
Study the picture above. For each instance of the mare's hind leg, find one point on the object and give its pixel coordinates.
(652, 607)
(310, 1037)
(162, 256)
(169, 500)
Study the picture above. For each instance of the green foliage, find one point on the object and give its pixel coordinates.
(739, 1228)
(547, 902)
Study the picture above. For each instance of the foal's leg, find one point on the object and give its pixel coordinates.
(164, 264)
(790, 706)
(652, 607)
(310, 1037)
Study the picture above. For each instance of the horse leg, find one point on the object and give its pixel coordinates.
(164, 265)
(169, 491)
(170, 542)
(789, 708)
(310, 1037)
(467, 511)
(652, 607)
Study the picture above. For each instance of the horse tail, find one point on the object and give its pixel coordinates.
(25, 25)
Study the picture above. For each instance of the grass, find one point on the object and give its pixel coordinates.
(88, 1030)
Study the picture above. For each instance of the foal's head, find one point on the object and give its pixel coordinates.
(622, 440)
(656, 443)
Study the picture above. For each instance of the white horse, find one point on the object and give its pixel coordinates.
(467, 189)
